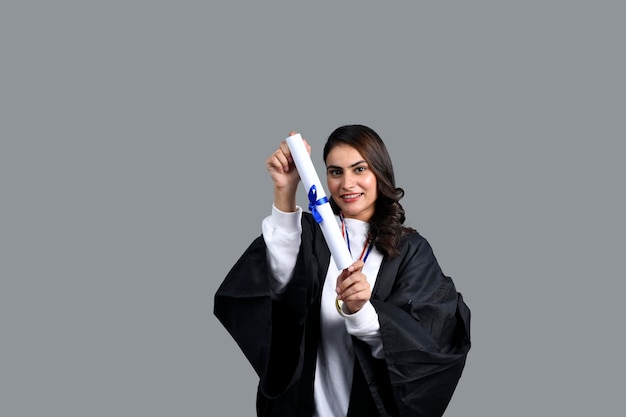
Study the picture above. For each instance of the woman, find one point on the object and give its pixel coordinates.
(387, 336)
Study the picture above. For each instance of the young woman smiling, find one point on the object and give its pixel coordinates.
(387, 336)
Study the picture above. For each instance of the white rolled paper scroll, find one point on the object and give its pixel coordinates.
(330, 228)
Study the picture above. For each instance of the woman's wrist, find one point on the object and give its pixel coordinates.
(285, 199)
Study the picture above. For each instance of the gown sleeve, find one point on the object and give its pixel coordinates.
(424, 325)
(269, 331)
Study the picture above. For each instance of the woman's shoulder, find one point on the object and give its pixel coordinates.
(307, 217)
(413, 236)
(413, 242)
(308, 221)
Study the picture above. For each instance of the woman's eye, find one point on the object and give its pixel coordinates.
(360, 169)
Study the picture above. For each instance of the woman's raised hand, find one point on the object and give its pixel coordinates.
(284, 174)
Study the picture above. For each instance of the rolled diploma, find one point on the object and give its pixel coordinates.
(330, 228)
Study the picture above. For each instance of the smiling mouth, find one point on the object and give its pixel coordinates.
(351, 196)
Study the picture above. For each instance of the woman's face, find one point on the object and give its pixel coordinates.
(351, 182)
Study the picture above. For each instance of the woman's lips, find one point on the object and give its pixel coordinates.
(348, 197)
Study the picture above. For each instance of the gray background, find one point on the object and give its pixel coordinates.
(133, 140)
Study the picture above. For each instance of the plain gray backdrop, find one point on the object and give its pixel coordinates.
(133, 141)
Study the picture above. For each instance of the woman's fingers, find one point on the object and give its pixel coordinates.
(352, 283)
(353, 290)
(281, 159)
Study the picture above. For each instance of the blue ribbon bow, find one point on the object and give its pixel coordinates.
(313, 201)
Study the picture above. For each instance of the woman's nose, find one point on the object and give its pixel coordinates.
(348, 182)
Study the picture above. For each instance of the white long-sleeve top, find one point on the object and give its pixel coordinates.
(335, 357)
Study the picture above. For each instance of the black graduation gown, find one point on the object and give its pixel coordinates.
(424, 325)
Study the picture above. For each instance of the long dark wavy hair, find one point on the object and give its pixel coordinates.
(387, 223)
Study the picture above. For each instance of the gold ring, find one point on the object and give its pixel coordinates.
(338, 304)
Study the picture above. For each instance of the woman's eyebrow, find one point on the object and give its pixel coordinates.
(351, 166)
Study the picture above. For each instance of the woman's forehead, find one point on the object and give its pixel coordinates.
(343, 155)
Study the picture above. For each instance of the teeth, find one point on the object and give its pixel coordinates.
(350, 195)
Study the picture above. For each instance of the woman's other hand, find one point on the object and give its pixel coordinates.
(352, 288)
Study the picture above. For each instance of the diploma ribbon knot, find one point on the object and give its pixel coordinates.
(313, 201)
